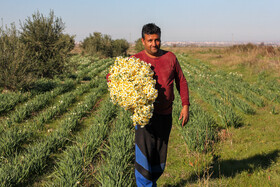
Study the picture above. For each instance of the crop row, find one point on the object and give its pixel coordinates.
(223, 92)
(225, 112)
(234, 82)
(230, 82)
(227, 115)
(17, 170)
(85, 64)
(85, 74)
(200, 133)
(82, 62)
(41, 100)
(21, 166)
(116, 168)
(10, 100)
(73, 167)
(14, 137)
(37, 103)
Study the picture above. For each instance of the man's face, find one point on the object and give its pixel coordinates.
(151, 43)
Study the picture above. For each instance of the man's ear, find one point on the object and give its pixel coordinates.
(142, 41)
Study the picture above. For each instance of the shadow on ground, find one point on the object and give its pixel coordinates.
(232, 167)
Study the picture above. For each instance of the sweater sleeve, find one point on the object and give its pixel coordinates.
(107, 76)
(181, 84)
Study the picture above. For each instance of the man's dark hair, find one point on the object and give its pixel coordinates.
(150, 28)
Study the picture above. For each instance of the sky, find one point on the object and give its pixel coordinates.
(179, 20)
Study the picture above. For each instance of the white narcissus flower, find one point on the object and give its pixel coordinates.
(132, 86)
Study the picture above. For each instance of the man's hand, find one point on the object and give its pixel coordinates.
(185, 115)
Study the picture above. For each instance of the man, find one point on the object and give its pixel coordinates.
(151, 140)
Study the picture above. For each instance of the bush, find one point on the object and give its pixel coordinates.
(97, 44)
(104, 46)
(138, 45)
(15, 70)
(46, 46)
(120, 47)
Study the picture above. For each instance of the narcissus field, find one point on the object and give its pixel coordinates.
(68, 132)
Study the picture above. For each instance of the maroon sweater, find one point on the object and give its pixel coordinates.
(167, 69)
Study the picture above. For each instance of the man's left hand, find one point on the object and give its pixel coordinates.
(184, 115)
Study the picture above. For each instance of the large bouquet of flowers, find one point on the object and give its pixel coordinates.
(132, 86)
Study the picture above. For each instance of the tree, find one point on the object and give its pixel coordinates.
(15, 70)
(138, 45)
(46, 44)
(120, 47)
(93, 44)
(107, 46)
(104, 46)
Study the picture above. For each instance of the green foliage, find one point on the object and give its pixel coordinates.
(46, 45)
(15, 135)
(116, 169)
(39, 50)
(9, 100)
(10, 139)
(15, 70)
(72, 166)
(49, 143)
(241, 105)
(42, 85)
(138, 45)
(120, 47)
(199, 134)
(104, 45)
(96, 44)
(21, 167)
(37, 103)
